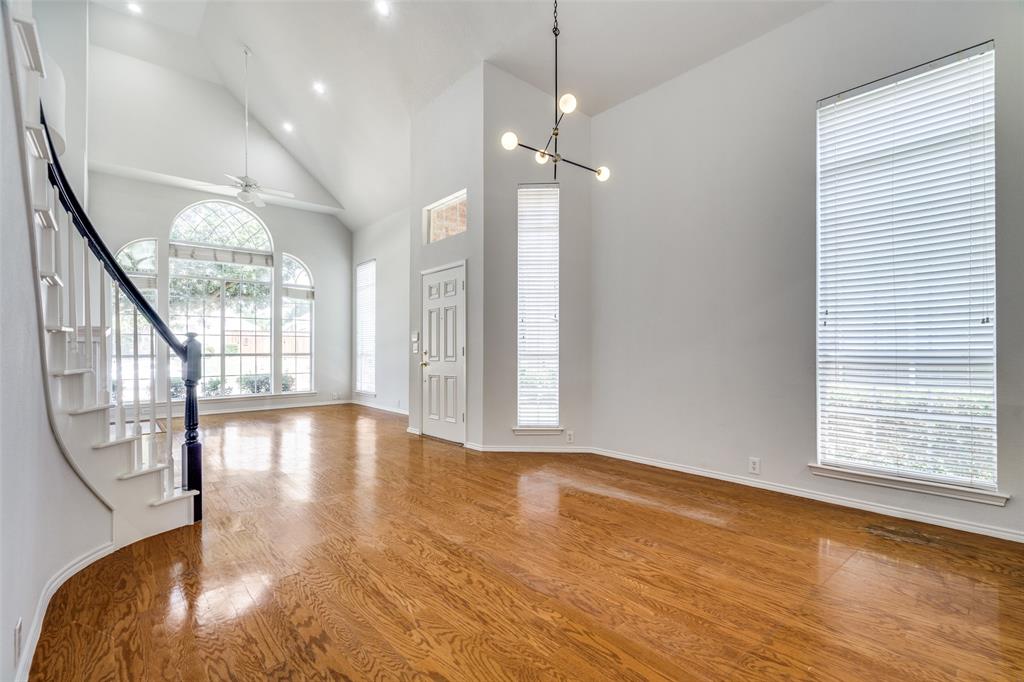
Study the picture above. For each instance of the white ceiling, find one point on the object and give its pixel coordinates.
(355, 140)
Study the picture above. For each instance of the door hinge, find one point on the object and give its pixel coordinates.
(463, 285)
(463, 417)
(463, 351)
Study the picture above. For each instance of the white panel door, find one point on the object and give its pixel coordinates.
(443, 360)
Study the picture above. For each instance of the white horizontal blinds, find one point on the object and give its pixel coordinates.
(906, 276)
(538, 306)
(366, 327)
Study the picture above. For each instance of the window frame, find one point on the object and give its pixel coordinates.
(896, 477)
(289, 291)
(524, 427)
(463, 195)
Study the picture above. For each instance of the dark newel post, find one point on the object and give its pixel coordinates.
(192, 449)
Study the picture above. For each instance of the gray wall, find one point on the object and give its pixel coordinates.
(48, 518)
(511, 104)
(447, 156)
(704, 251)
(124, 210)
(387, 242)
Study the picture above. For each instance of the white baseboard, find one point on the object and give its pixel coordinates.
(264, 408)
(554, 449)
(394, 410)
(413, 430)
(887, 510)
(28, 648)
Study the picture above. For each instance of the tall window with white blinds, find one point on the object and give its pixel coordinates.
(906, 343)
(366, 327)
(537, 268)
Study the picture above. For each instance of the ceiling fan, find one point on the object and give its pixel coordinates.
(249, 189)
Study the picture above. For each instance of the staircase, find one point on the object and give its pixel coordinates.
(103, 341)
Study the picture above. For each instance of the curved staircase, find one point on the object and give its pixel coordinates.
(103, 342)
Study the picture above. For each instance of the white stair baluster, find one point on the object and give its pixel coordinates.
(153, 458)
(135, 383)
(58, 265)
(119, 363)
(72, 303)
(169, 431)
(87, 315)
(103, 381)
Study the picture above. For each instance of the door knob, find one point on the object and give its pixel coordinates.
(424, 364)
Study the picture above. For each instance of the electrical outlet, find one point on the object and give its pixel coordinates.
(398, 403)
(570, 436)
(335, 395)
(754, 465)
(17, 642)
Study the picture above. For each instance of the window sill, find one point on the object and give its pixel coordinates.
(957, 492)
(537, 430)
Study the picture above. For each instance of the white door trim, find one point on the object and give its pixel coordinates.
(463, 381)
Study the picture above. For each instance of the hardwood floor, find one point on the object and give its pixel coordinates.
(337, 546)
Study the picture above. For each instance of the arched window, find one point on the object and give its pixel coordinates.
(219, 223)
(221, 279)
(296, 326)
(138, 259)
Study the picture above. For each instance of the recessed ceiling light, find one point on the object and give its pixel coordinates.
(383, 7)
(288, 127)
(134, 8)
(319, 87)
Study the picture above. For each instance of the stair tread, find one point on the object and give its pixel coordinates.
(51, 277)
(94, 408)
(70, 372)
(178, 495)
(135, 473)
(112, 443)
(58, 329)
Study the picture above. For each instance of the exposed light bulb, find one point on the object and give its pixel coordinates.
(603, 173)
(541, 158)
(135, 8)
(288, 127)
(319, 87)
(510, 140)
(383, 8)
(567, 103)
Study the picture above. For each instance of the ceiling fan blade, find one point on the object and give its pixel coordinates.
(234, 178)
(276, 192)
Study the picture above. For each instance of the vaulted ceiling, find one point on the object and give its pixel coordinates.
(379, 70)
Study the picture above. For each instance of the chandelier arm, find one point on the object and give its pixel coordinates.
(552, 135)
(579, 165)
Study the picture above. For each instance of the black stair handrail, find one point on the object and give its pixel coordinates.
(190, 352)
(85, 227)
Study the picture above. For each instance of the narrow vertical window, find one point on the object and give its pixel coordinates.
(537, 311)
(366, 327)
(906, 274)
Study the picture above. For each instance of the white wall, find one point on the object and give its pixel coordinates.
(447, 156)
(149, 117)
(387, 242)
(124, 210)
(704, 251)
(48, 517)
(64, 34)
(511, 104)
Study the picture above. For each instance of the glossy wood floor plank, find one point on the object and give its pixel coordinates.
(338, 547)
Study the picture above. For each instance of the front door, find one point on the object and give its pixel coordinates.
(443, 358)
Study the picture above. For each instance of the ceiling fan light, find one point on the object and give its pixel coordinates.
(603, 174)
(245, 196)
(567, 104)
(541, 158)
(510, 140)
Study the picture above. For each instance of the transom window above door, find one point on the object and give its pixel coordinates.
(447, 217)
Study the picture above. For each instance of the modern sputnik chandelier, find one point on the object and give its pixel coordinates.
(566, 104)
